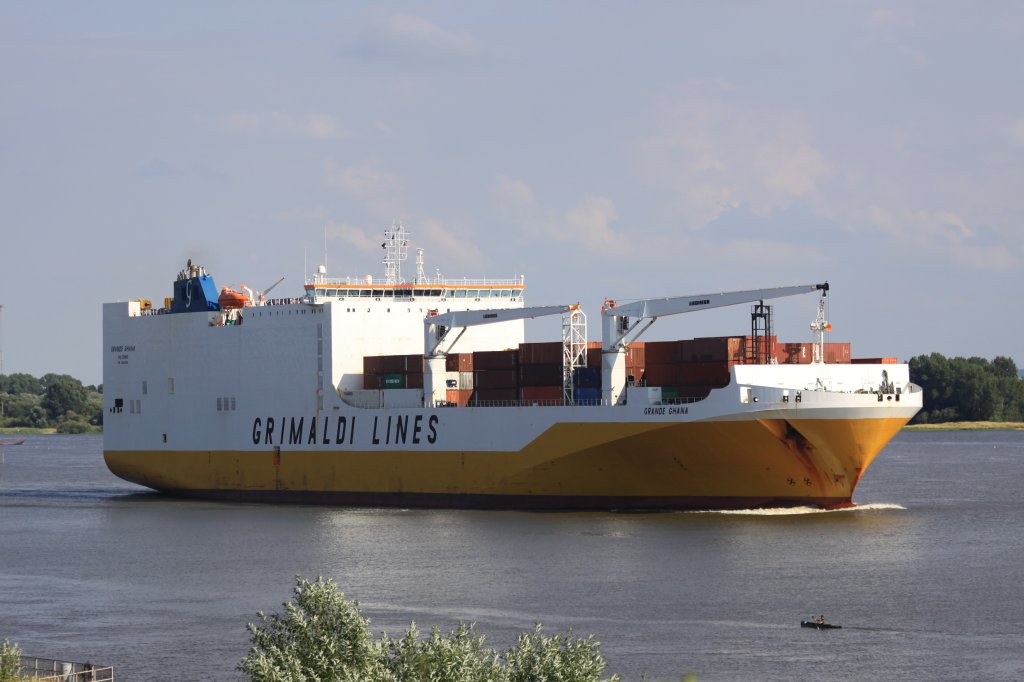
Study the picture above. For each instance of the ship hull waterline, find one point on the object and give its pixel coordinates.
(715, 464)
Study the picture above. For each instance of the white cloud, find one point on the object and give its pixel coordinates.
(417, 31)
(322, 125)
(316, 125)
(715, 152)
(882, 18)
(515, 199)
(944, 233)
(1016, 132)
(886, 19)
(353, 236)
(362, 181)
(451, 245)
(411, 38)
(791, 167)
(588, 225)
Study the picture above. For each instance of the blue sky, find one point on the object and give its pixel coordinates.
(601, 149)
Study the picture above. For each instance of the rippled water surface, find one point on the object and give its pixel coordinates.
(925, 575)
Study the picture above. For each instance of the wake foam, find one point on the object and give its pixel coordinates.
(796, 511)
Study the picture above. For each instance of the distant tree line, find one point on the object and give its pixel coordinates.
(51, 401)
(968, 389)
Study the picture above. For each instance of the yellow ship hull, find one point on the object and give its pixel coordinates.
(715, 464)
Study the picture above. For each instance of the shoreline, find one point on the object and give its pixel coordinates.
(967, 426)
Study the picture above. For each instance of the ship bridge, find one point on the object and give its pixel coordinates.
(490, 292)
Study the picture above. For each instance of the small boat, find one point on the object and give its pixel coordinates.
(11, 441)
(819, 626)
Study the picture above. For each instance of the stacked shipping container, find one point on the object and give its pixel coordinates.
(532, 373)
(540, 373)
(393, 371)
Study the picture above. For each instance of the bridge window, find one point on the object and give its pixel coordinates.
(460, 293)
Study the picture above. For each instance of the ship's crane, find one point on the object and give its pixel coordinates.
(621, 325)
(263, 294)
(437, 344)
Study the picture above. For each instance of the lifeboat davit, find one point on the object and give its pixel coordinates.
(230, 299)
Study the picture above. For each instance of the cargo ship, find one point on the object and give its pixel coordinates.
(422, 392)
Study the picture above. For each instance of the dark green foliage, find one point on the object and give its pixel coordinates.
(55, 400)
(968, 389)
(322, 636)
(16, 384)
(64, 394)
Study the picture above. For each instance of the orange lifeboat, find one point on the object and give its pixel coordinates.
(230, 299)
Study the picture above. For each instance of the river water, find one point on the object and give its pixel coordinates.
(926, 575)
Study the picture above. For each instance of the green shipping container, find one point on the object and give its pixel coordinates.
(394, 381)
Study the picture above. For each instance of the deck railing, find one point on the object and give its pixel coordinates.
(51, 670)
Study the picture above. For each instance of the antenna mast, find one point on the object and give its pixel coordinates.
(819, 327)
(396, 250)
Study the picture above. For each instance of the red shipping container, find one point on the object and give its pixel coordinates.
(492, 395)
(459, 362)
(495, 378)
(875, 361)
(662, 352)
(542, 394)
(661, 374)
(372, 364)
(540, 375)
(704, 374)
(837, 353)
(687, 374)
(547, 353)
(495, 359)
(372, 382)
(397, 364)
(636, 355)
(458, 396)
(414, 380)
(793, 353)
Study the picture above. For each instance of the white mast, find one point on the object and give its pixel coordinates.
(819, 327)
(396, 250)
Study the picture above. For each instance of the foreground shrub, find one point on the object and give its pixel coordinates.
(323, 636)
(10, 662)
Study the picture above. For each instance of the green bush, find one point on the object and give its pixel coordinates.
(323, 636)
(10, 662)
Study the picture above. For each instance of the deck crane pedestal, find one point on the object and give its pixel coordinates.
(621, 325)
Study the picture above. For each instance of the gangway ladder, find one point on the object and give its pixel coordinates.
(574, 351)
